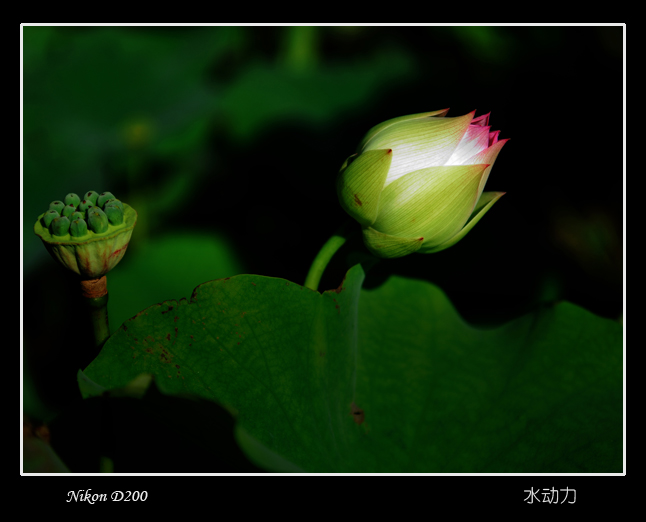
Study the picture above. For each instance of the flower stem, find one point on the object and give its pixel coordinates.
(95, 295)
(325, 254)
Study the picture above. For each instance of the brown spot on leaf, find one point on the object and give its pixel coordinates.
(168, 337)
(357, 200)
(176, 318)
(357, 414)
(177, 366)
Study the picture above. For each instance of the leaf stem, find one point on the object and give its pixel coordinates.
(325, 254)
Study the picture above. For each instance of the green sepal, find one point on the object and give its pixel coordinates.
(486, 201)
(434, 202)
(114, 214)
(60, 226)
(58, 206)
(91, 196)
(97, 220)
(360, 182)
(105, 196)
(78, 228)
(389, 247)
(48, 217)
(72, 199)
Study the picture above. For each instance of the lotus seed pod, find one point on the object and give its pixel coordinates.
(72, 199)
(97, 220)
(58, 206)
(48, 217)
(115, 215)
(68, 210)
(84, 205)
(113, 202)
(103, 198)
(94, 254)
(77, 215)
(60, 226)
(91, 196)
(78, 228)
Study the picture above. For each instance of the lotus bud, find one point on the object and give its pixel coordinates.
(48, 217)
(114, 202)
(105, 196)
(78, 228)
(60, 226)
(84, 205)
(91, 196)
(114, 214)
(97, 220)
(89, 246)
(72, 199)
(416, 183)
(68, 210)
(58, 206)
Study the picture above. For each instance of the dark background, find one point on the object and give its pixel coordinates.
(227, 141)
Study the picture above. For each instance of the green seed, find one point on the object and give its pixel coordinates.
(78, 228)
(97, 220)
(113, 202)
(60, 226)
(58, 206)
(115, 214)
(77, 215)
(103, 198)
(68, 210)
(72, 199)
(49, 216)
(91, 196)
(84, 205)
